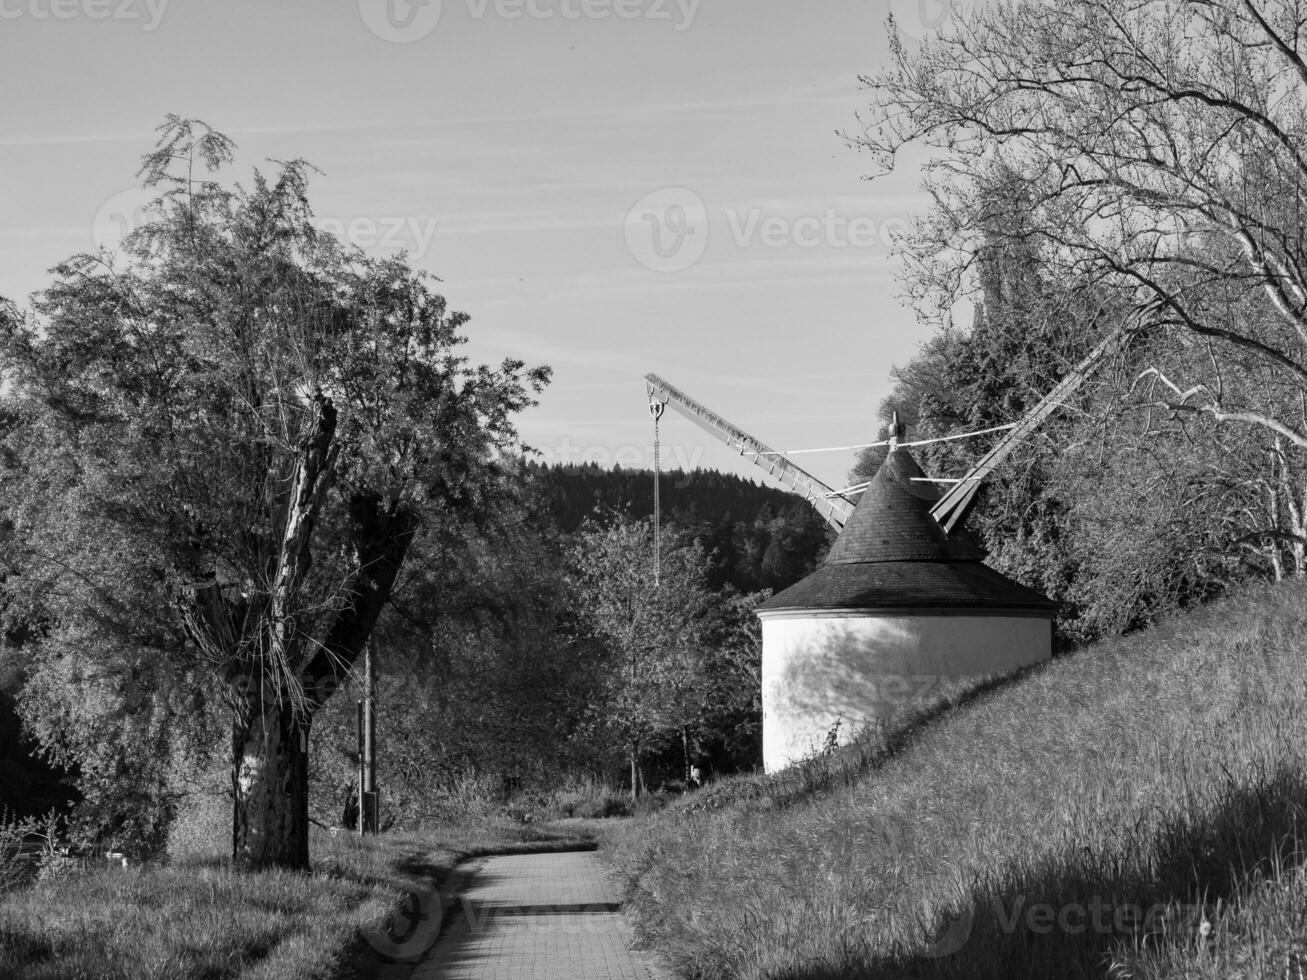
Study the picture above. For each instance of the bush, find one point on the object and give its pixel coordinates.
(609, 805)
(651, 803)
(18, 838)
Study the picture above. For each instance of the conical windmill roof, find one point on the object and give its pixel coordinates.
(892, 521)
(892, 554)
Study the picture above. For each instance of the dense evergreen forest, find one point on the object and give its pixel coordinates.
(757, 537)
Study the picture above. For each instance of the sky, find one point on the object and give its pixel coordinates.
(610, 187)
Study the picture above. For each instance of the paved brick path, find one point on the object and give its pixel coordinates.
(537, 917)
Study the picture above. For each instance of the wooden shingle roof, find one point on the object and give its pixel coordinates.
(892, 521)
(893, 555)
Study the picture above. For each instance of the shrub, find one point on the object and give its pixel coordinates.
(18, 839)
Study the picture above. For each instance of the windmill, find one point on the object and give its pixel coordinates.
(903, 601)
(836, 506)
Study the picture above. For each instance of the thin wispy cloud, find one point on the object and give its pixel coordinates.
(508, 157)
(833, 93)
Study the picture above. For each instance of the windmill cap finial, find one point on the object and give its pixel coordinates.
(897, 431)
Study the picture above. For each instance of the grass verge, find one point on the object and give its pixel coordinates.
(200, 919)
(1137, 810)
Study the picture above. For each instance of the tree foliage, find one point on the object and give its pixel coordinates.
(1116, 517)
(674, 650)
(1164, 149)
(236, 430)
(1135, 165)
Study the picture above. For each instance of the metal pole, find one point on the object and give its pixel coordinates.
(358, 817)
(656, 410)
(368, 793)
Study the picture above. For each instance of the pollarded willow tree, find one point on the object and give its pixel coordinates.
(1164, 145)
(235, 432)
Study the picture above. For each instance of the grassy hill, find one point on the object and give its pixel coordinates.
(1136, 810)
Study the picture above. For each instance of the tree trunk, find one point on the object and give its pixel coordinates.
(349, 816)
(270, 816)
(635, 770)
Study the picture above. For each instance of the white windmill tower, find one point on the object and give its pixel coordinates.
(903, 599)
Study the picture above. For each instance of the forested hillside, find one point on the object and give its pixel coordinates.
(756, 536)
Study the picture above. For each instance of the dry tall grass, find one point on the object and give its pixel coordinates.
(1137, 810)
(197, 918)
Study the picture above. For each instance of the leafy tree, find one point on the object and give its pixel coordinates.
(238, 431)
(656, 682)
(485, 675)
(729, 734)
(1097, 509)
(1164, 148)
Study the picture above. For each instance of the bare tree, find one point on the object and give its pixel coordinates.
(1164, 143)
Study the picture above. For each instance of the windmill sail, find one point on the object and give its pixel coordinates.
(832, 505)
(954, 506)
